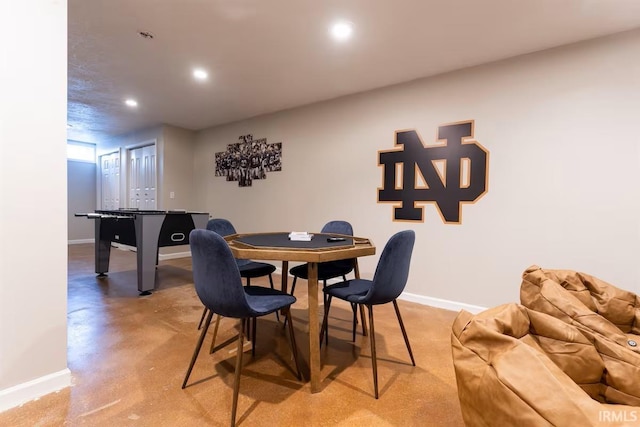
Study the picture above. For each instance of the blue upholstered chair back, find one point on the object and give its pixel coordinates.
(224, 228)
(338, 227)
(392, 271)
(221, 226)
(216, 275)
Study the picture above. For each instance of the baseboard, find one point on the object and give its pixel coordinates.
(25, 392)
(80, 241)
(424, 300)
(163, 257)
(441, 303)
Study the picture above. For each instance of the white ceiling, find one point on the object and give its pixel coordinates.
(269, 55)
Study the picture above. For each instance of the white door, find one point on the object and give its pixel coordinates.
(149, 167)
(142, 178)
(110, 180)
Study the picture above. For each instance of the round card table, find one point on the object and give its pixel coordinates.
(278, 247)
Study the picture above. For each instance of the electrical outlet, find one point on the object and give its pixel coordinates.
(172, 195)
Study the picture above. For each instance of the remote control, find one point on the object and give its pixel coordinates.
(336, 239)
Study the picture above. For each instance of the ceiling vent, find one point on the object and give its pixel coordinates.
(145, 34)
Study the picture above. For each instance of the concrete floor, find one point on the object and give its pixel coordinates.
(128, 356)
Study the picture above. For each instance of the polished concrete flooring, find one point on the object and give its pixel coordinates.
(128, 355)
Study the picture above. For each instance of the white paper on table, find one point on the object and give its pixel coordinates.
(300, 236)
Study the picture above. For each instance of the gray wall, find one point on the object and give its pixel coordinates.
(560, 127)
(81, 197)
(176, 168)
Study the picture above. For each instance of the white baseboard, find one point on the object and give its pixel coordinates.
(163, 257)
(441, 303)
(424, 300)
(80, 241)
(25, 392)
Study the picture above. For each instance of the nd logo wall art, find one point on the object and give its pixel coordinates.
(449, 173)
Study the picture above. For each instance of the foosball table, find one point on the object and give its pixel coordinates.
(147, 231)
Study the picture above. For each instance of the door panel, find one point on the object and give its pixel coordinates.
(110, 181)
(142, 178)
(149, 188)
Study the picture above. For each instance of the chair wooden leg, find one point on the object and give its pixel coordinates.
(294, 346)
(215, 333)
(372, 339)
(236, 381)
(293, 288)
(247, 329)
(354, 308)
(324, 296)
(355, 319)
(324, 330)
(204, 313)
(197, 349)
(364, 324)
(271, 283)
(404, 332)
(253, 336)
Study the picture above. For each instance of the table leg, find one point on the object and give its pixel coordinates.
(314, 330)
(147, 232)
(356, 269)
(102, 249)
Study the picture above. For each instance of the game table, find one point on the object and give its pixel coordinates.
(278, 247)
(147, 231)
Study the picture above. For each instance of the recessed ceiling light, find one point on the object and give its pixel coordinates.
(341, 30)
(200, 74)
(131, 102)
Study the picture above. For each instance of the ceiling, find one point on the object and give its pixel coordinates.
(268, 55)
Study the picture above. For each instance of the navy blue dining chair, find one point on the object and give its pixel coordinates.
(388, 282)
(248, 269)
(331, 269)
(218, 284)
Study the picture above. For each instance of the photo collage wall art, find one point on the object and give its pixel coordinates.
(249, 159)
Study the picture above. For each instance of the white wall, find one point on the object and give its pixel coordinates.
(33, 217)
(561, 128)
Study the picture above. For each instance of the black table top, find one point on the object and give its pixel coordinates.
(145, 212)
(281, 240)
